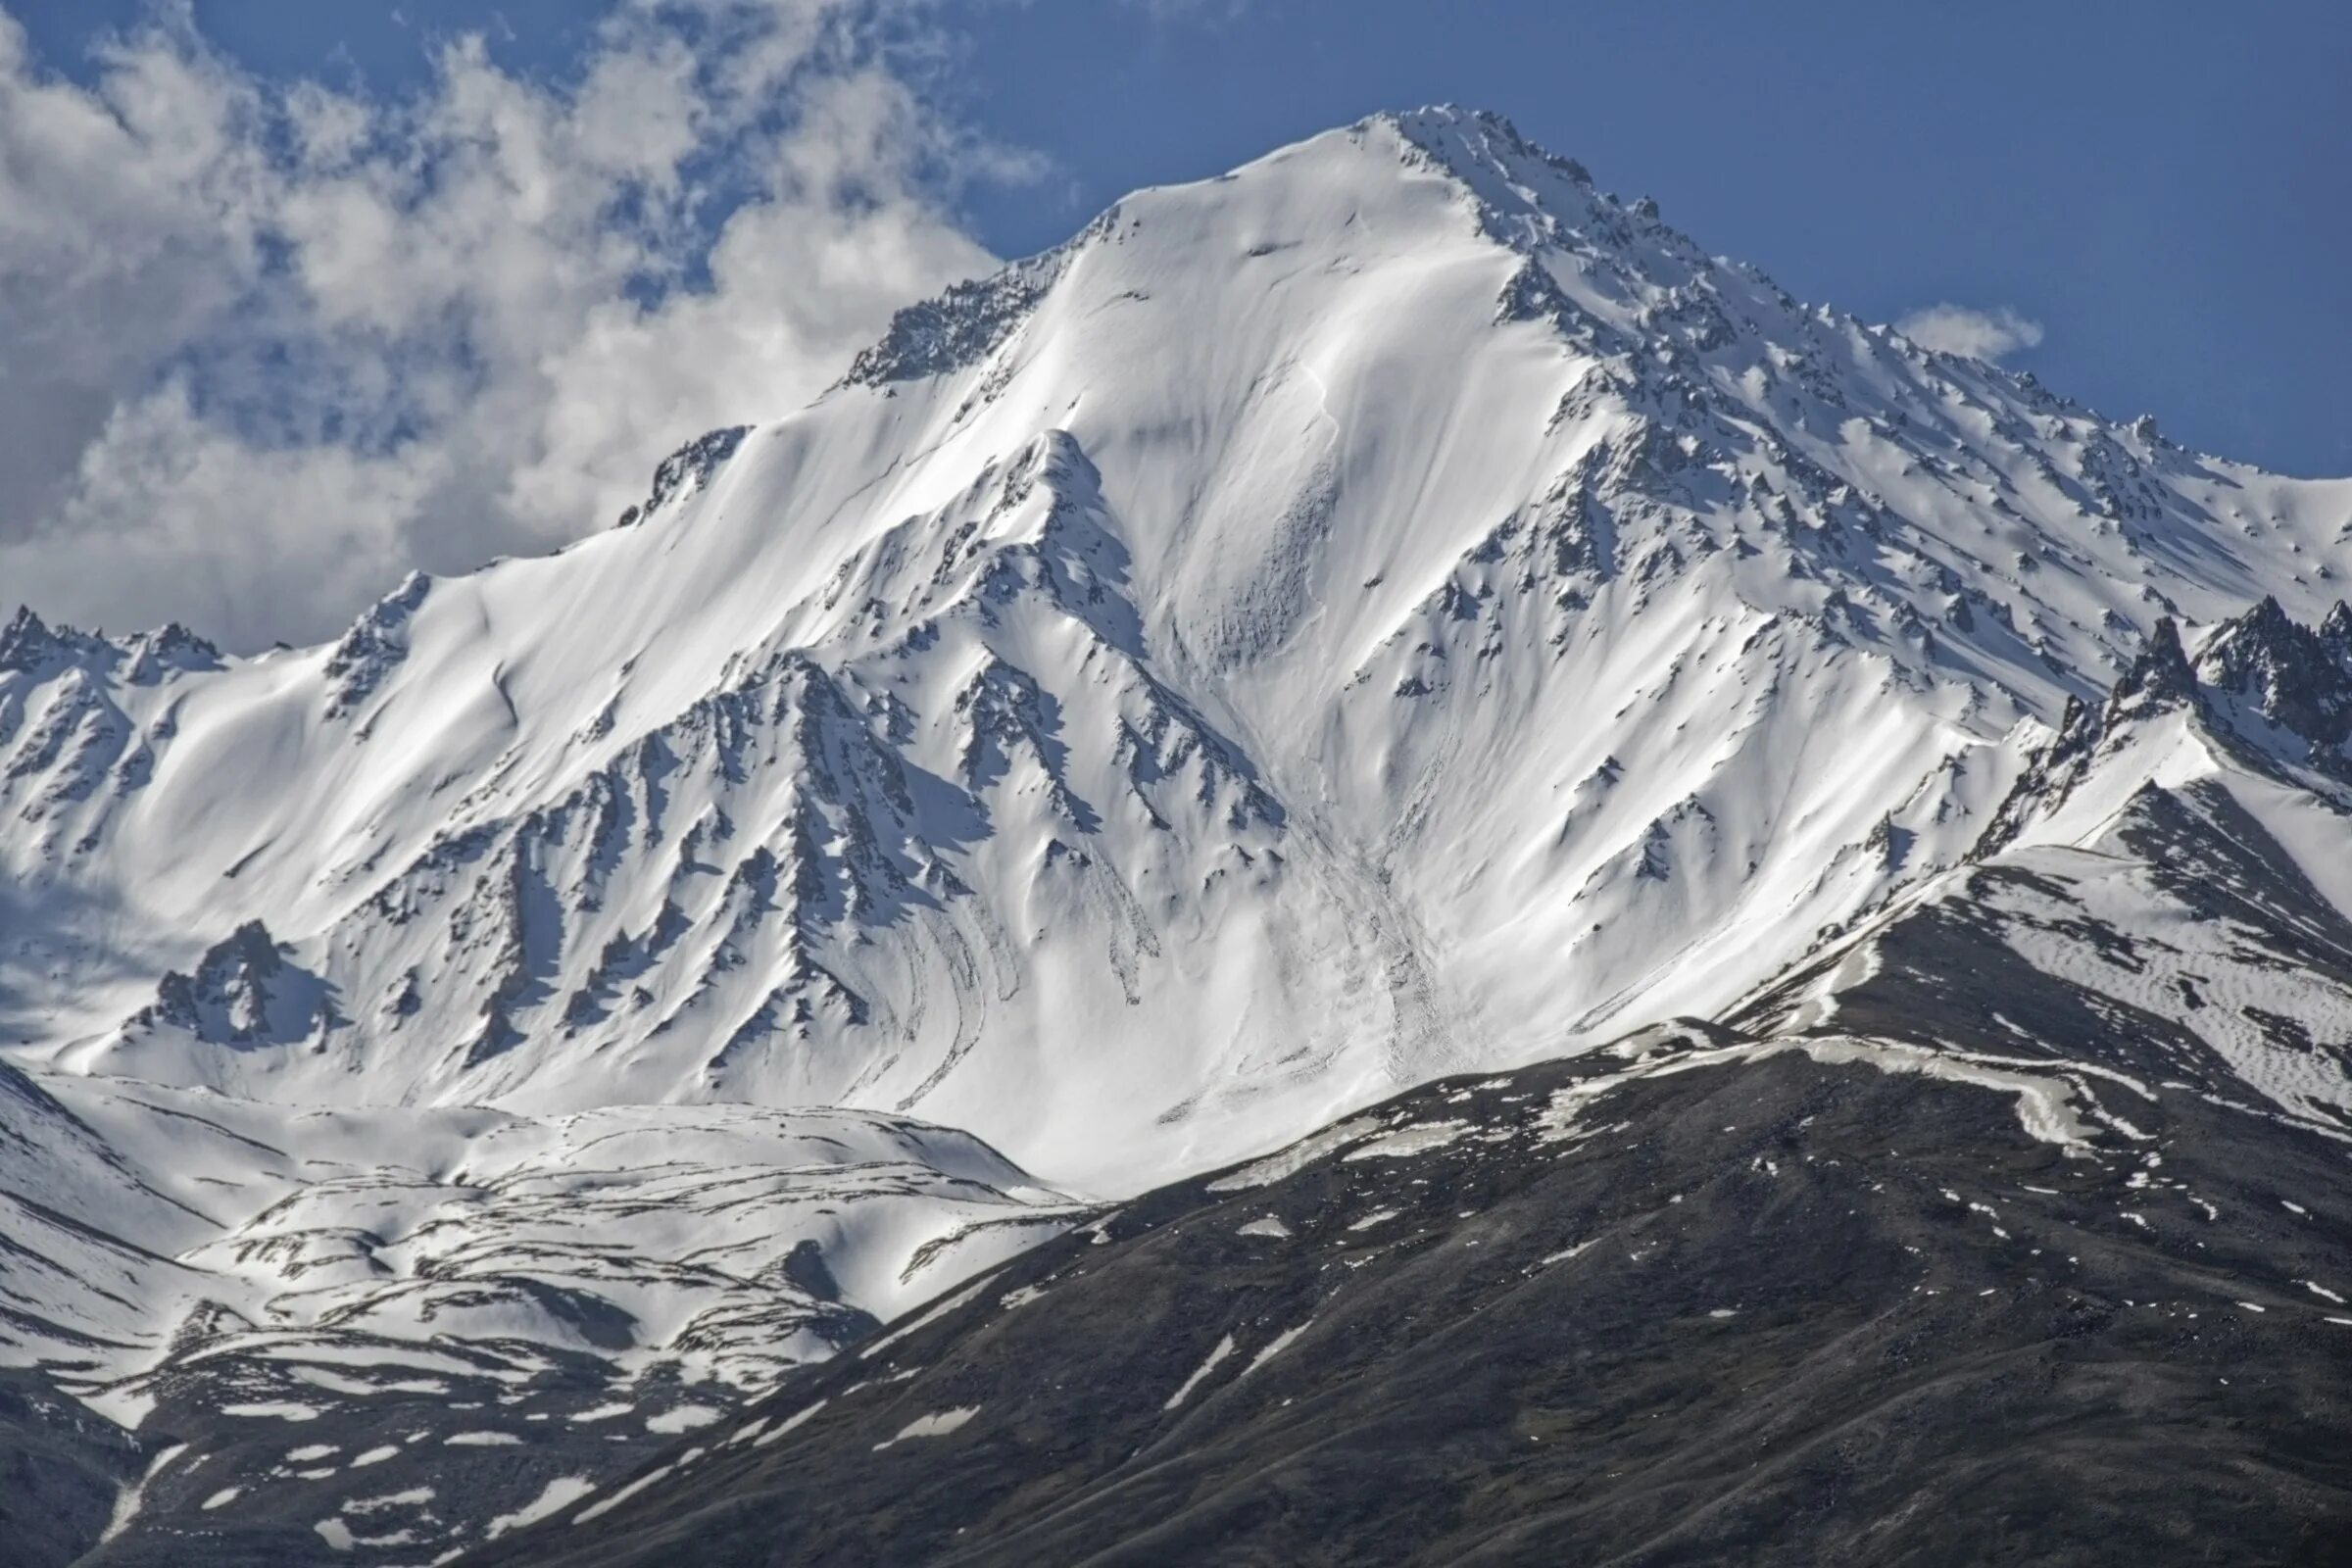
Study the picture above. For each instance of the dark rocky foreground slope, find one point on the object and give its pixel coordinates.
(1696, 1300)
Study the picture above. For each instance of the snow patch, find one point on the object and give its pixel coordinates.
(559, 1494)
(1417, 1139)
(1224, 1349)
(683, 1418)
(936, 1425)
(797, 1419)
(1275, 1347)
(1291, 1160)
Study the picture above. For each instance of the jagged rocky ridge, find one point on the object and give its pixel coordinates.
(2174, 855)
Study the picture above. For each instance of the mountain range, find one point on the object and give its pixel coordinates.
(1392, 654)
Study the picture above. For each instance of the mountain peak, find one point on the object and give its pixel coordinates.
(24, 641)
(2285, 677)
(1388, 611)
(2161, 674)
(2268, 694)
(1448, 132)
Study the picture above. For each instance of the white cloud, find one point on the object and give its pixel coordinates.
(264, 346)
(1988, 335)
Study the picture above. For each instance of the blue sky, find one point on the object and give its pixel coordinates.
(2164, 189)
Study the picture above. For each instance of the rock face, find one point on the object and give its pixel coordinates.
(2285, 682)
(243, 993)
(687, 469)
(1390, 612)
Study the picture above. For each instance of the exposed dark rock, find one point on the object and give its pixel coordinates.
(2160, 675)
(243, 992)
(687, 469)
(961, 327)
(1672, 1304)
(26, 642)
(2294, 678)
(374, 646)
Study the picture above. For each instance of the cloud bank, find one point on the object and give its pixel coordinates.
(1988, 335)
(265, 346)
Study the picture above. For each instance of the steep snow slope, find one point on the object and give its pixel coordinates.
(1387, 610)
(1389, 607)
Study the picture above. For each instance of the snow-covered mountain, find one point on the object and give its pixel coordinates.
(1388, 611)
(1389, 607)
